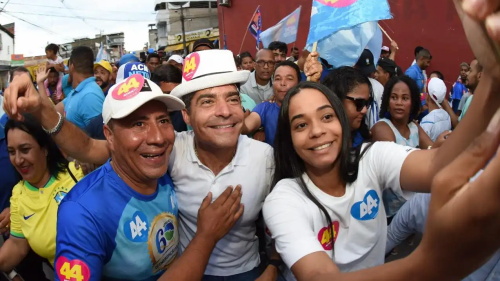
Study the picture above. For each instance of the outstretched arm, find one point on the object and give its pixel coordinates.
(22, 97)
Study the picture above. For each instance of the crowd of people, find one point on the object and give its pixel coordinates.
(216, 166)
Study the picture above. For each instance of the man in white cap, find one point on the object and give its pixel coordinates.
(208, 159)
(121, 221)
(176, 61)
(438, 120)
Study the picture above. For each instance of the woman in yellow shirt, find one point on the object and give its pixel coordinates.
(46, 179)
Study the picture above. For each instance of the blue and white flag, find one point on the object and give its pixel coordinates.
(285, 31)
(344, 28)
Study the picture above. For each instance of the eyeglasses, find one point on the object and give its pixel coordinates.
(262, 63)
(360, 103)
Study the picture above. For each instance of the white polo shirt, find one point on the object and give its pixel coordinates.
(252, 167)
(299, 227)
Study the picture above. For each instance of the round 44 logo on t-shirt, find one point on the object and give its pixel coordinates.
(368, 208)
(326, 238)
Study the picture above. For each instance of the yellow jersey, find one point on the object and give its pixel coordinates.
(33, 211)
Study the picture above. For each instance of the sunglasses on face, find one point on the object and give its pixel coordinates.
(360, 103)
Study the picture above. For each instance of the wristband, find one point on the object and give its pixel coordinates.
(57, 128)
(12, 274)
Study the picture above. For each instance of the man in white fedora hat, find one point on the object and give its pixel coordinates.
(208, 159)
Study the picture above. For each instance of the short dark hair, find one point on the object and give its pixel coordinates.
(187, 100)
(152, 55)
(290, 64)
(56, 163)
(424, 53)
(82, 58)
(52, 47)
(245, 55)
(438, 73)
(18, 69)
(53, 70)
(278, 45)
(414, 94)
(479, 66)
(166, 73)
(342, 81)
(418, 49)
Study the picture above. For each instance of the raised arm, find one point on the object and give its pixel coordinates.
(251, 123)
(22, 97)
(418, 177)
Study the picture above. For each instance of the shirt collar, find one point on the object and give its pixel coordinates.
(254, 84)
(240, 158)
(84, 83)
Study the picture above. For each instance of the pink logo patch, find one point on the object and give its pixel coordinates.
(128, 88)
(325, 236)
(337, 3)
(72, 270)
(191, 64)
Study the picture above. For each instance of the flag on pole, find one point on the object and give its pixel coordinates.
(285, 31)
(344, 28)
(255, 26)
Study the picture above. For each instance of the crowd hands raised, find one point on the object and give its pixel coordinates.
(338, 146)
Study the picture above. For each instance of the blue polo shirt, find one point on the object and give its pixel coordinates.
(84, 103)
(415, 73)
(268, 112)
(459, 89)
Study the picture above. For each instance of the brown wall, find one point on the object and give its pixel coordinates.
(433, 24)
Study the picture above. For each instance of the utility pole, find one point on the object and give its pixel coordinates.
(183, 31)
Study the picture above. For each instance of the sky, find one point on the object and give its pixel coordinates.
(39, 22)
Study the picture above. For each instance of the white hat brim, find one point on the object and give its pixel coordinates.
(172, 103)
(210, 81)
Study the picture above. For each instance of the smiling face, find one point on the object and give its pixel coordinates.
(316, 131)
(141, 143)
(216, 116)
(400, 102)
(361, 91)
(285, 78)
(26, 155)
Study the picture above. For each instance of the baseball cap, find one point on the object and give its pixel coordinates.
(131, 68)
(128, 58)
(105, 64)
(365, 63)
(207, 69)
(203, 42)
(388, 65)
(437, 90)
(385, 49)
(176, 58)
(130, 94)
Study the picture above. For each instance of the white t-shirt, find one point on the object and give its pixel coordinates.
(299, 227)
(252, 167)
(435, 123)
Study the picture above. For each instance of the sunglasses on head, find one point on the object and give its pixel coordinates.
(360, 103)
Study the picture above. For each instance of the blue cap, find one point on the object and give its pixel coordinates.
(128, 58)
(132, 68)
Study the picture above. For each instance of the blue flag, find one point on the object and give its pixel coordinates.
(344, 28)
(255, 26)
(285, 31)
(330, 16)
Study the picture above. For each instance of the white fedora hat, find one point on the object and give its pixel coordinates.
(207, 69)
